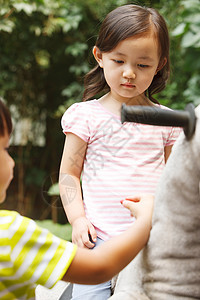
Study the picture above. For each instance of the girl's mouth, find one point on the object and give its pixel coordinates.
(128, 85)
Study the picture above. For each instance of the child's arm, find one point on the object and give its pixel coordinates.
(105, 261)
(70, 190)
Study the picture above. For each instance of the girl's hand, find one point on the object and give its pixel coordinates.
(83, 233)
(140, 206)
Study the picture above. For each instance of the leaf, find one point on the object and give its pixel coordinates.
(54, 190)
(179, 30)
(193, 90)
(76, 49)
(42, 58)
(193, 18)
(6, 25)
(190, 39)
(188, 4)
(27, 8)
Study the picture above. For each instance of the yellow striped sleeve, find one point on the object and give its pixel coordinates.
(29, 255)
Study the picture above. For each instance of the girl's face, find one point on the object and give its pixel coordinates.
(130, 67)
(6, 166)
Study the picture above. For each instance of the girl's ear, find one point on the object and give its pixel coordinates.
(98, 56)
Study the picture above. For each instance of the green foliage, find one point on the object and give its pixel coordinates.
(62, 231)
(187, 35)
(54, 190)
(37, 36)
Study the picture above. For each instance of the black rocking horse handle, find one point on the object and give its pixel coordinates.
(153, 115)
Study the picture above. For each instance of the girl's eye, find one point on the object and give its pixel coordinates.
(118, 61)
(142, 66)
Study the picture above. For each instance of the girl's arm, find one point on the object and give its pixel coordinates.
(70, 190)
(105, 261)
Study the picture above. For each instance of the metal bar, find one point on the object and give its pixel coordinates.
(153, 115)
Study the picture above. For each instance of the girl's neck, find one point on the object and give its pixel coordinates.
(114, 105)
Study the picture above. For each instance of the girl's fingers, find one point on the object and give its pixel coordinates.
(134, 199)
(131, 206)
(87, 242)
(138, 198)
(127, 203)
(93, 234)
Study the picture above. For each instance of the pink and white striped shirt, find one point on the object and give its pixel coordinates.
(121, 160)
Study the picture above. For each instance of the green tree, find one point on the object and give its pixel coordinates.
(187, 33)
(37, 65)
(183, 19)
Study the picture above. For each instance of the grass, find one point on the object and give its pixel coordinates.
(62, 231)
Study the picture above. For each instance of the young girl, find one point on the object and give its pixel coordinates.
(115, 160)
(30, 255)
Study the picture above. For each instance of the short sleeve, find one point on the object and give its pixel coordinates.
(173, 134)
(170, 133)
(55, 265)
(76, 120)
(31, 255)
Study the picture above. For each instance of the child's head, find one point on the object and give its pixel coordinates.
(120, 24)
(6, 162)
(5, 120)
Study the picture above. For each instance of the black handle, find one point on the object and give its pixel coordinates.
(153, 115)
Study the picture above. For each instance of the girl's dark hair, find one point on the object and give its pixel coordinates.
(124, 22)
(5, 120)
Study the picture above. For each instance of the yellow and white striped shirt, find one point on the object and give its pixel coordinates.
(29, 255)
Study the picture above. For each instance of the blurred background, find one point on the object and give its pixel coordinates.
(45, 51)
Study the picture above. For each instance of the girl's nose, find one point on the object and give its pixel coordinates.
(129, 73)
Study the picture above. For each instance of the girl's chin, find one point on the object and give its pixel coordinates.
(2, 197)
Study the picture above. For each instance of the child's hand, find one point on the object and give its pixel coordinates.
(140, 206)
(83, 233)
